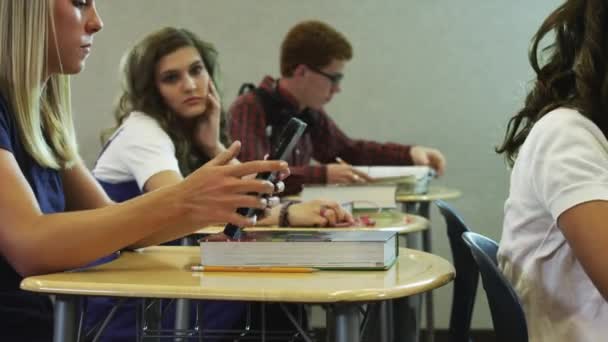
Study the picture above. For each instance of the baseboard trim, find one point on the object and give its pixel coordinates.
(477, 335)
(441, 335)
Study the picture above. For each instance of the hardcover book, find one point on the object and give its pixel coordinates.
(318, 249)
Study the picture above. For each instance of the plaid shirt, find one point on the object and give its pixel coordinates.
(323, 141)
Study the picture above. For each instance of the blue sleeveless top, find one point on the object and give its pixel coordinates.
(26, 316)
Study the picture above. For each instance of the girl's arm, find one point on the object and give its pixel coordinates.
(317, 213)
(81, 190)
(584, 226)
(35, 243)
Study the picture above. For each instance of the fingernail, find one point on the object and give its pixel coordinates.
(279, 187)
(263, 202)
(273, 201)
(253, 220)
(283, 164)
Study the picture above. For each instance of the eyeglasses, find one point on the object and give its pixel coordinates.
(335, 79)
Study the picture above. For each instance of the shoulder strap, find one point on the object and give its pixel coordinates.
(246, 87)
(271, 105)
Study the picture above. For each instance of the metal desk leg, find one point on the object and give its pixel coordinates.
(427, 246)
(407, 316)
(182, 306)
(408, 311)
(182, 316)
(380, 322)
(347, 319)
(386, 321)
(330, 324)
(423, 209)
(65, 327)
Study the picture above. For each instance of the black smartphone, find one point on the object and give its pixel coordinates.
(290, 135)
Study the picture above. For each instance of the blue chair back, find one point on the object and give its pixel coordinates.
(467, 276)
(507, 313)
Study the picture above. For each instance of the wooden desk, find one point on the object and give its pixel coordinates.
(163, 272)
(388, 220)
(419, 204)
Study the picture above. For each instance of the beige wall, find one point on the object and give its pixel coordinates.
(434, 72)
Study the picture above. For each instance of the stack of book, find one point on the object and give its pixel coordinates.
(318, 249)
(409, 179)
(387, 183)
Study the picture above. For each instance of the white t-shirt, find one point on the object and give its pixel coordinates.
(563, 162)
(139, 149)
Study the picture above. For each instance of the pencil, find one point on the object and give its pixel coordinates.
(265, 269)
(341, 161)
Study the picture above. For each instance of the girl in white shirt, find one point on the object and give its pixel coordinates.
(555, 233)
(170, 122)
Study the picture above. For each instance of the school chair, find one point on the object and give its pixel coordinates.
(508, 316)
(467, 275)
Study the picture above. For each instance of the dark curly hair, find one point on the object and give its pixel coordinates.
(313, 43)
(574, 75)
(140, 92)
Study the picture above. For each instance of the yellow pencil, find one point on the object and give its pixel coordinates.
(266, 269)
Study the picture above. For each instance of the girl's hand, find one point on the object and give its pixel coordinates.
(212, 193)
(318, 213)
(207, 126)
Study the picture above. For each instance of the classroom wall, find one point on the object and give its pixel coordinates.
(435, 72)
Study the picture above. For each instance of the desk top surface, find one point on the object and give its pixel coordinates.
(434, 193)
(164, 272)
(390, 220)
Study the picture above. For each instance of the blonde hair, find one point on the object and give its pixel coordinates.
(42, 111)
